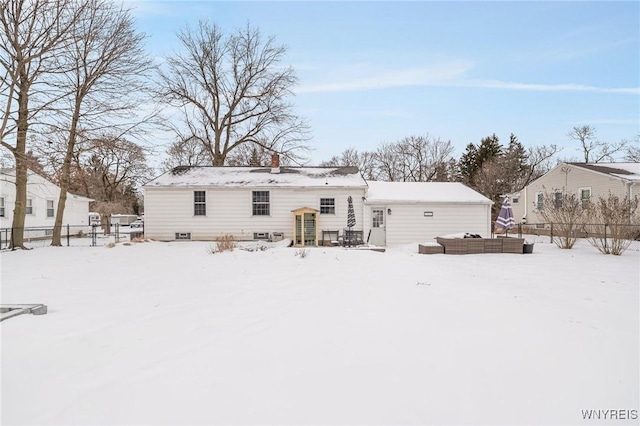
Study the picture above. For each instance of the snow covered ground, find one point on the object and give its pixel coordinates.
(168, 333)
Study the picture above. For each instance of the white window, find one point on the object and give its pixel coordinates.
(539, 200)
(585, 196)
(199, 203)
(260, 202)
(50, 211)
(327, 206)
(1, 206)
(29, 206)
(558, 198)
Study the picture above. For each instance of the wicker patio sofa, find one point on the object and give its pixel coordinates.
(481, 245)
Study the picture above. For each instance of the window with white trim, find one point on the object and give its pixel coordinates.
(50, 210)
(539, 200)
(585, 196)
(327, 206)
(260, 203)
(199, 203)
(515, 200)
(558, 199)
(1, 206)
(29, 206)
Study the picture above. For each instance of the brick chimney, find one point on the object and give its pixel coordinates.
(275, 163)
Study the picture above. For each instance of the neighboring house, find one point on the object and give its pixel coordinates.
(42, 203)
(206, 203)
(406, 212)
(299, 203)
(588, 181)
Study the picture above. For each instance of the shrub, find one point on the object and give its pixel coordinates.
(565, 213)
(614, 223)
(224, 243)
(302, 253)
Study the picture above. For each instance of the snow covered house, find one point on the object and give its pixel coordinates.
(42, 202)
(308, 205)
(405, 212)
(587, 180)
(206, 203)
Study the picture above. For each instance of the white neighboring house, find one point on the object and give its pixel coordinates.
(405, 212)
(297, 203)
(42, 203)
(587, 180)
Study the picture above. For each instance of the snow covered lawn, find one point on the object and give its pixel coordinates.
(167, 333)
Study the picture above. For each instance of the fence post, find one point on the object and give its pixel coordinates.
(93, 235)
(605, 238)
(68, 231)
(551, 233)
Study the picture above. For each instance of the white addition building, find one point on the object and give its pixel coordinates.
(308, 205)
(42, 202)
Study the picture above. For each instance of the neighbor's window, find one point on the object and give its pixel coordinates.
(515, 200)
(29, 206)
(557, 200)
(2, 207)
(260, 203)
(539, 200)
(585, 196)
(199, 203)
(327, 206)
(50, 211)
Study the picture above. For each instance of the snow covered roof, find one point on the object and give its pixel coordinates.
(627, 171)
(295, 177)
(431, 192)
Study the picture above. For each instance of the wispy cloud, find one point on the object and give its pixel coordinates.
(535, 87)
(452, 74)
(415, 76)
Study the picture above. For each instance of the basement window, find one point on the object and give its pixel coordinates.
(183, 235)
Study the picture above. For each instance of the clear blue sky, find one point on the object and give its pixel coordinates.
(373, 72)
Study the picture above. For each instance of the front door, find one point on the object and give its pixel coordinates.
(378, 231)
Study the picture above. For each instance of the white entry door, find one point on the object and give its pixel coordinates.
(378, 230)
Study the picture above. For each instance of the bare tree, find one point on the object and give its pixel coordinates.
(566, 214)
(31, 35)
(231, 90)
(633, 151)
(613, 223)
(594, 150)
(365, 162)
(414, 159)
(105, 67)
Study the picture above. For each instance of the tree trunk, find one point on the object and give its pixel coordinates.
(19, 212)
(66, 175)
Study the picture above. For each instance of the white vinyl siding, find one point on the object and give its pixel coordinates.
(408, 222)
(168, 210)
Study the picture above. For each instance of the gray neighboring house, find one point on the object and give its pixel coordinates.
(587, 180)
